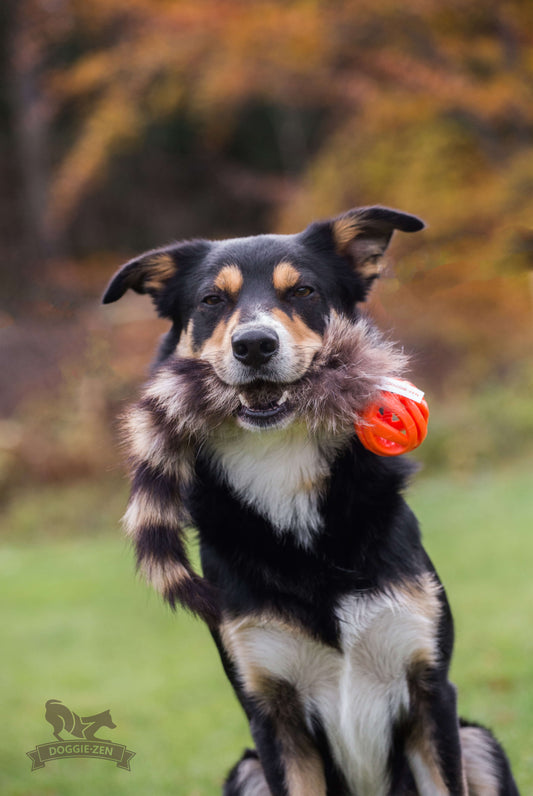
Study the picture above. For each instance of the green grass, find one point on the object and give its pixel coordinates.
(478, 531)
(79, 627)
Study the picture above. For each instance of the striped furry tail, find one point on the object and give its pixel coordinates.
(156, 516)
(163, 561)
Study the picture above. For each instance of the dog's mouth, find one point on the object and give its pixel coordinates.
(263, 406)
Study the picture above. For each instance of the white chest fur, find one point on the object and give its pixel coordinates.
(357, 691)
(280, 473)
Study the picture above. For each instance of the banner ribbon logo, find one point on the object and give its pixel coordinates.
(85, 742)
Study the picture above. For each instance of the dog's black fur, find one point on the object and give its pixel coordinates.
(330, 620)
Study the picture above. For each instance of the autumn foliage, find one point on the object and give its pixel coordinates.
(132, 123)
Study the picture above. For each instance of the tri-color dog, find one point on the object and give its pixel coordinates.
(329, 617)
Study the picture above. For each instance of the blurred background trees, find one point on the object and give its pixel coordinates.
(129, 124)
(126, 124)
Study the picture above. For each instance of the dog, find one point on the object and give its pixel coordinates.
(330, 620)
(63, 719)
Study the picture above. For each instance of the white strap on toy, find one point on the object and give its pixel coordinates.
(401, 387)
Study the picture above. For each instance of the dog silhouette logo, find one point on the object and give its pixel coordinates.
(84, 729)
(64, 720)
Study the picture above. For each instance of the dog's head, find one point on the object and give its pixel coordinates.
(257, 309)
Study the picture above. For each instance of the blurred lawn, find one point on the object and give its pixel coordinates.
(78, 626)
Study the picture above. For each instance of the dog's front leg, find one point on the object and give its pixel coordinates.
(291, 762)
(433, 748)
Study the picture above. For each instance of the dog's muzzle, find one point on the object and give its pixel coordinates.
(263, 404)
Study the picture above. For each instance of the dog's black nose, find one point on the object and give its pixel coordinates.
(254, 347)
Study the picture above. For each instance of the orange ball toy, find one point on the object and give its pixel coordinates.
(397, 422)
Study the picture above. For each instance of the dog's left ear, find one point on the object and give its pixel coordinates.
(361, 236)
(147, 273)
(152, 271)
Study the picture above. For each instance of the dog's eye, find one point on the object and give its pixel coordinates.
(212, 299)
(303, 291)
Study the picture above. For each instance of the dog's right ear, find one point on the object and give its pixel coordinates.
(152, 271)
(361, 237)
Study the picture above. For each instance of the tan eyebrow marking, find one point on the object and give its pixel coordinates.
(285, 276)
(230, 280)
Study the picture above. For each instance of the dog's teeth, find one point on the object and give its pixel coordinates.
(243, 400)
(283, 398)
